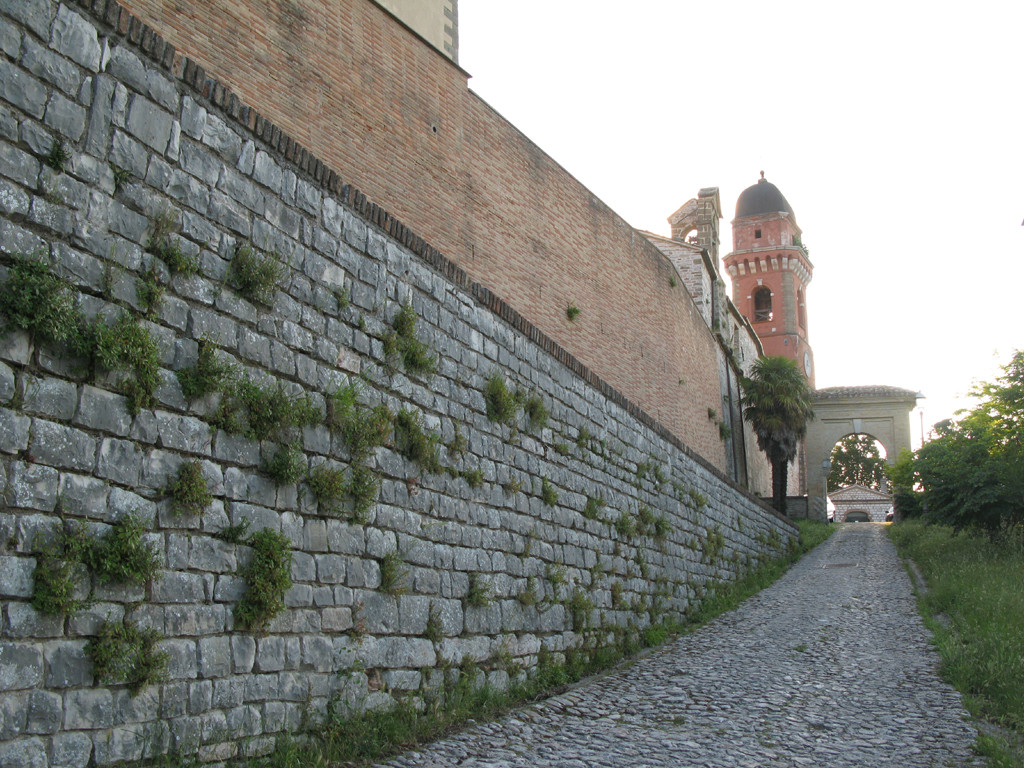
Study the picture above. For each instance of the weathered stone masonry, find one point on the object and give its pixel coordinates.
(94, 79)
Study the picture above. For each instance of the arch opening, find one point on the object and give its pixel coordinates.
(858, 458)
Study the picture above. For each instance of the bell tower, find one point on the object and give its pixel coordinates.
(770, 271)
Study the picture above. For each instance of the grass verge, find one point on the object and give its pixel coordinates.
(354, 739)
(974, 607)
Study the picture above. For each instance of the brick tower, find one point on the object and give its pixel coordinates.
(770, 271)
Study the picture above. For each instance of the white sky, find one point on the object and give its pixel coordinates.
(895, 130)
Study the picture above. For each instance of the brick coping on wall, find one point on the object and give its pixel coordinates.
(122, 22)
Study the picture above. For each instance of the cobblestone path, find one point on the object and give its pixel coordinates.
(830, 666)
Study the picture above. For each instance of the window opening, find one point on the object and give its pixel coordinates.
(762, 305)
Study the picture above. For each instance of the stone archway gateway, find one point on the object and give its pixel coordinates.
(879, 411)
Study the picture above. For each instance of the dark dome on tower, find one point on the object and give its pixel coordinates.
(763, 197)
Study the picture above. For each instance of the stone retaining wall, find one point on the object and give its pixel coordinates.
(497, 540)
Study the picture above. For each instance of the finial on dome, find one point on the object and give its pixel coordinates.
(762, 178)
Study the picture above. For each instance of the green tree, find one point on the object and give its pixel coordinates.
(972, 473)
(856, 459)
(778, 407)
(904, 481)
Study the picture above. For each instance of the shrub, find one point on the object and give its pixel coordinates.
(362, 428)
(474, 477)
(268, 577)
(128, 345)
(207, 376)
(529, 594)
(150, 293)
(402, 341)
(479, 593)
(261, 411)
(234, 534)
(164, 246)
(288, 465)
(125, 652)
(645, 520)
(256, 277)
(393, 574)
(435, 630)
(536, 412)
(189, 491)
(625, 526)
(500, 403)
(123, 556)
(548, 494)
(58, 155)
(329, 486)
(53, 587)
(36, 300)
(580, 607)
(414, 443)
(592, 509)
(572, 312)
(363, 487)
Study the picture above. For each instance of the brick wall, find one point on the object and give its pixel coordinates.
(396, 119)
(98, 138)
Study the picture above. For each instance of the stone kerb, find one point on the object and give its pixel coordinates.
(509, 539)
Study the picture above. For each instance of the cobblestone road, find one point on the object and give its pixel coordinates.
(830, 666)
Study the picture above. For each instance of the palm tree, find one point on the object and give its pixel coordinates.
(778, 407)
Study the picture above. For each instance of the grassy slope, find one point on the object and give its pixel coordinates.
(974, 605)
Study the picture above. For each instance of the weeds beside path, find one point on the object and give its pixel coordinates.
(974, 606)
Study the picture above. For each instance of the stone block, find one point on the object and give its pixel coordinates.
(62, 447)
(413, 612)
(120, 461)
(21, 89)
(45, 712)
(178, 587)
(380, 612)
(220, 137)
(149, 123)
(67, 665)
(336, 619)
(215, 656)
(142, 707)
(194, 620)
(270, 654)
(243, 653)
(24, 753)
(184, 433)
(13, 714)
(13, 201)
(330, 569)
(32, 486)
(88, 709)
(65, 116)
(21, 620)
(103, 410)
(182, 661)
(14, 431)
(16, 576)
(70, 750)
(51, 397)
(76, 38)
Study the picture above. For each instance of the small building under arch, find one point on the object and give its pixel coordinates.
(858, 503)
